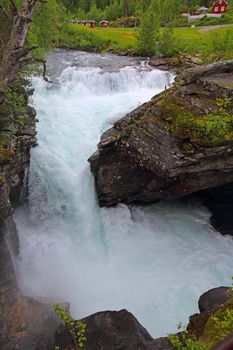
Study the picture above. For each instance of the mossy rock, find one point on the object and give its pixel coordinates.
(219, 325)
(6, 154)
(207, 329)
(5, 137)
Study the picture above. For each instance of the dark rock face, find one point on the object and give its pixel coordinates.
(208, 326)
(154, 153)
(25, 323)
(220, 203)
(197, 323)
(214, 298)
(113, 330)
(162, 344)
(15, 164)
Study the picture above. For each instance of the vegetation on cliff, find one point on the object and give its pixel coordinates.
(209, 129)
(22, 42)
(216, 327)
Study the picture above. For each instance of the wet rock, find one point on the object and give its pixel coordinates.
(214, 298)
(197, 323)
(25, 323)
(115, 330)
(156, 152)
(162, 344)
(177, 64)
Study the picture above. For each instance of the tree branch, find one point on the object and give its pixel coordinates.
(5, 13)
(13, 9)
(32, 60)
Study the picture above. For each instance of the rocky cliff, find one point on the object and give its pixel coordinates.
(179, 143)
(25, 323)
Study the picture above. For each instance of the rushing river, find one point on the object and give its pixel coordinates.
(155, 261)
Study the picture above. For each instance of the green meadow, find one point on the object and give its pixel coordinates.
(124, 40)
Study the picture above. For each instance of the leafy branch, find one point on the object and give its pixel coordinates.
(77, 329)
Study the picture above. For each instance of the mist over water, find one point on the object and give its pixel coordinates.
(155, 261)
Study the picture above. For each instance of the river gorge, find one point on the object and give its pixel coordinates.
(155, 260)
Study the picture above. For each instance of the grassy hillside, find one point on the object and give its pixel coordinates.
(124, 40)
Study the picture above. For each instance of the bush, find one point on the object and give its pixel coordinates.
(128, 22)
(78, 37)
(76, 329)
(218, 327)
(209, 21)
(221, 47)
(181, 21)
(166, 42)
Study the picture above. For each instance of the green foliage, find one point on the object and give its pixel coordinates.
(209, 129)
(78, 37)
(77, 329)
(153, 40)
(210, 21)
(48, 25)
(127, 22)
(222, 44)
(206, 130)
(147, 33)
(166, 42)
(218, 327)
(13, 105)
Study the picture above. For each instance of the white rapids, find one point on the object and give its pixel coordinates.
(154, 261)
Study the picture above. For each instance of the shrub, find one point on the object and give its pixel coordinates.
(218, 327)
(76, 329)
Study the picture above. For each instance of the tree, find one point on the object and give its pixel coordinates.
(126, 8)
(146, 34)
(15, 55)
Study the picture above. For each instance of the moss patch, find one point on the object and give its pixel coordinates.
(218, 327)
(205, 130)
(6, 154)
(2, 178)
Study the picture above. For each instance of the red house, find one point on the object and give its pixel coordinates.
(219, 7)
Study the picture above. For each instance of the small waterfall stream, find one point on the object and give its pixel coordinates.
(155, 261)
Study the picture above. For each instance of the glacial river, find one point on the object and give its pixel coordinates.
(154, 261)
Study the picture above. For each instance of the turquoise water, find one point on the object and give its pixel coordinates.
(154, 261)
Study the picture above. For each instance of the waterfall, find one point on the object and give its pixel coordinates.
(156, 260)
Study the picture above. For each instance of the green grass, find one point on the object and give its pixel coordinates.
(121, 40)
(124, 38)
(191, 40)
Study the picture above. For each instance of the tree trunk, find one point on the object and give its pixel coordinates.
(14, 55)
(126, 8)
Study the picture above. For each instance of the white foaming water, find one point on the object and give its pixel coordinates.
(155, 261)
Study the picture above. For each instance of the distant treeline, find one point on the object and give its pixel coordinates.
(113, 9)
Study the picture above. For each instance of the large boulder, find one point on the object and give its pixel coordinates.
(115, 330)
(214, 298)
(176, 144)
